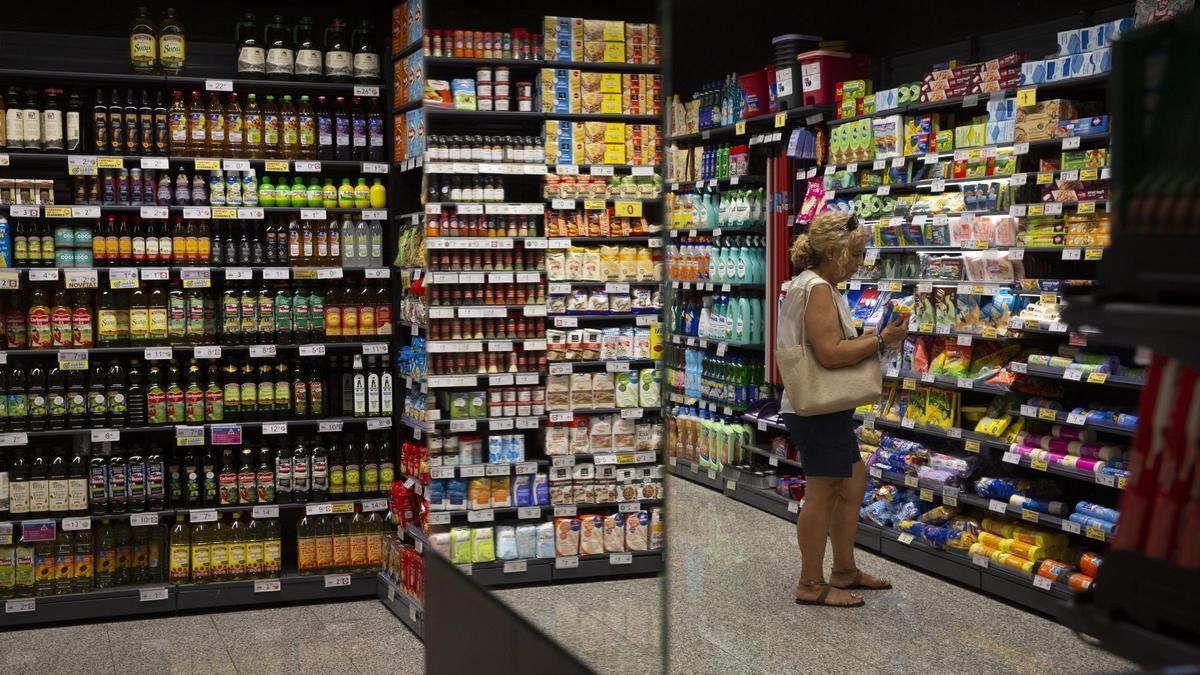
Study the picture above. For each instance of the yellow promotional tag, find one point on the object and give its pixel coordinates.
(277, 165)
(1027, 97)
(1093, 253)
(110, 162)
(627, 208)
(780, 120)
(593, 204)
(208, 165)
(739, 128)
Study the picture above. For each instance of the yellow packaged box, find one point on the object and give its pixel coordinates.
(614, 52)
(614, 132)
(610, 104)
(593, 51)
(610, 83)
(614, 31)
(614, 153)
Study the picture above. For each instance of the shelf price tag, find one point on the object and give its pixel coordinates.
(905, 538)
(189, 435)
(266, 585)
(276, 165)
(1070, 143)
(620, 559)
(73, 359)
(481, 516)
(106, 435)
(141, 519)
(20, 606)
(307, 166)
(81, 165)
(152, 594)
(203, 516)
(82, 278)
(515, 567)
(74, 524)
(327, 427)
(265, 511)
(566, 562)
(337, 580)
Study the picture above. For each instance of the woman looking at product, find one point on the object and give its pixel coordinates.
(828, 370)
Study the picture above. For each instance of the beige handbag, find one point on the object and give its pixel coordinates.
(813, 389)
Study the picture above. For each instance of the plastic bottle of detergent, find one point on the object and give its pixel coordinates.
(755, 321)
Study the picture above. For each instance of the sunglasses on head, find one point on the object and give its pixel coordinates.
(851, 223)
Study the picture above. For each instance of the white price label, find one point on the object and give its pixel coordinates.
(106, 435)
(81, 278)
(140, 519)
(265, 511)
(152, 594)
(566, 460)
(207, 352)
(1073, 374)
(566, 562)
(1070, 143)
(997, 506)
(326, 427)
(307, 167)
(905, 538)
(218, 85)
(1071, 254)
(336, 580)
(267, 585)
(158, 354)
(980, 560)
(270, 273)
(504, 424)
(41, 275)
(528, 512)
(1071, 526)
(1011, 458)
(20, 606)
(75, 524)
(312, 350)
(560, 416)
(203, 516)
(481, 516)
(370, 505)
(1018, 367)
(515, 567)
(1077, 419)
(1042, 582)
(565, 511)
(620, 559)
(1020, 148)
(966, 383)
(376, 423)
(262, 351)
(632, 413)
(321, 509)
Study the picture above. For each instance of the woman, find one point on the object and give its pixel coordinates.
(829, 254)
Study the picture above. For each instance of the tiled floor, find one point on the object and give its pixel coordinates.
(338, 638)
(731, 573)
(731, 568)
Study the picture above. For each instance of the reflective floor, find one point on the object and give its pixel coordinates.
(732, 570)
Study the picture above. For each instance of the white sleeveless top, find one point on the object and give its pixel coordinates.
(791, 317)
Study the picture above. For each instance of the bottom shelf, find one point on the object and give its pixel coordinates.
(128, 601)
(1004, 583)
(695, 473)
(397, 601)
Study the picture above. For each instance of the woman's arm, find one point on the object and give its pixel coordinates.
(823, 328)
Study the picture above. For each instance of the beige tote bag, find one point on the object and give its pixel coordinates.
(813, 389)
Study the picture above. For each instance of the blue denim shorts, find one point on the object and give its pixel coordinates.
(828, 447)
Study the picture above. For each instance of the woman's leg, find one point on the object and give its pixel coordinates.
(842, 526)
(812, 531)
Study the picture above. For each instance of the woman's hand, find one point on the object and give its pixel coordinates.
(895, 332)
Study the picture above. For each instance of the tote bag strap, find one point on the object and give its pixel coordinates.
(809, 284)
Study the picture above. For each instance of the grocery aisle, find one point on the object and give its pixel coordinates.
(343, 637)
(612, 626)
(731, 573)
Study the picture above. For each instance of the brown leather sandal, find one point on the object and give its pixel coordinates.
(856, 582)
(820, 600)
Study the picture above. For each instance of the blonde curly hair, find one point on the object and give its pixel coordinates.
(827, 239)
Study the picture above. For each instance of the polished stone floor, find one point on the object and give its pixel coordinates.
(732, 570)
(339, 638)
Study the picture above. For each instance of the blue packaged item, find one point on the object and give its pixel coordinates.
(456, 494)
(541, 490)
(6, 244)
(1097, 511)
(908, 510)
(1088, 521)
(1039, 505)
(880, 513)
(436, 494)
(523, 490)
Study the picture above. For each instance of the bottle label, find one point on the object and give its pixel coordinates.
(216, 127)
(58, 495)
(252, 60)
(341, 551)
(52, 129)
(272, 554)
(172, 52)
(279, 61)
(308, 62)
(358, 550)
(178, 566)
(179, 127)
(366, 65)
(338, 64)
(307, 553)
(196, 124)
(40, 336)
(227, 488)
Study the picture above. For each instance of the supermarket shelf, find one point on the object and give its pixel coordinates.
(713, 345)
(944, 382)
(537, 115)
(1122, 381)
(475, 422)
(334, 424)
(619, 458)
(181, 81)
(186, 349)
(161, 598)
(729, 409)
(292, 587)
(592, 566)
(315, 166)
(771, 455)
(408, 49)
(508, 572)
(1061, 417)
(206, 212)
(604, 117)
(109, 603)
(568, 320)
(809, 115)
(482, 379)
(649, 410)
(377, 503)
(689, 185)
(633, 363)
(1096, 82)
(765, 422)
(692, 471)
(1170, 329)
(633, 239)
(765, 500)
(409, 611)
(601, 283)
(540, 63)
(539, 512)
(986, 505)
(716, 285)
(1048, 143)
(716, 231)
